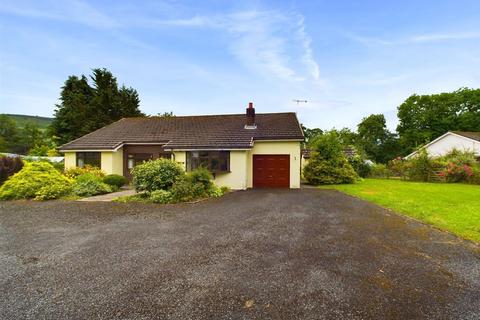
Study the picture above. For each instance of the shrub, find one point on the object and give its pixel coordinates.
(379, 170)
(420, 167)
(225, 189)
(397, 167)
(115, 180)
(77, 171)
(89, 184)
(328, 164)
(202, 176)
(475, 177)
(460, 158)
(360, 166)
(185, 190)
(319, 171)
(217, 192)
(53, 191)
(161, 196)
(159, 174)
(28, 181)
(457, 172)
(9, 166)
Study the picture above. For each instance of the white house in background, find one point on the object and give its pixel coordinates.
(460, 140)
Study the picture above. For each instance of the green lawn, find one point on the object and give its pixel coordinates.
(452, 207)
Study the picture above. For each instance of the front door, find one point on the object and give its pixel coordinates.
(134, 155)
(134, 159)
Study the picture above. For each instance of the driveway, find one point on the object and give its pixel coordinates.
(260, 254)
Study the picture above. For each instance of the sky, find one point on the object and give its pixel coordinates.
(348, 59)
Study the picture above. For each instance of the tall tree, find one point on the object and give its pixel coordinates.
(310, 134)
(73, 110)
(85, 108)
(379, 144)
(9, 135)
(423, 118)
(31, 136)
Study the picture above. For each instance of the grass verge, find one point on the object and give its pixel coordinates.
(451, 207)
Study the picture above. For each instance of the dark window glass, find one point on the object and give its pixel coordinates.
(134, 159)
(88, 158)
(215, 161)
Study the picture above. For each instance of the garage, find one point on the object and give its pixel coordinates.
(271, 171)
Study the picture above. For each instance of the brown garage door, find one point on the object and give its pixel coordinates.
(271, 171)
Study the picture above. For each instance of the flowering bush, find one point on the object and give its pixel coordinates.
(455, 166)
(456, 172)
(74, 172)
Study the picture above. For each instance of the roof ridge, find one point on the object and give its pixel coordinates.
(207, 115)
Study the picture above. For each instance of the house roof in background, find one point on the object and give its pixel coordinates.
(472, 135)
(191, 132)
(348, 151)
(468, 134)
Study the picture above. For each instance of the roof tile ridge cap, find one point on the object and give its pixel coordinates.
(458, 131)
(199, 115)
(87, 134)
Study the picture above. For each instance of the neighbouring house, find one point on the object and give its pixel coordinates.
(348, 151)
(241, 150)
(459, 140)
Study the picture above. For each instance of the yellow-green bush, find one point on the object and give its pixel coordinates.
(77, 171)
(53, 191)
(89, 184)
(27, 182)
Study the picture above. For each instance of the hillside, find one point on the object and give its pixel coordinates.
(42, 122)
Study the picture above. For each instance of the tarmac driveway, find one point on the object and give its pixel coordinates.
(260, 254)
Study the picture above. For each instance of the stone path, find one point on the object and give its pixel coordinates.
(110, 196)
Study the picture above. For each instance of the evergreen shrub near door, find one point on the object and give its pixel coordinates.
(164, 181)
(159, 174)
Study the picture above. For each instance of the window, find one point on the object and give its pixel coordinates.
(135, 159)
(88, 158)
(215, 161)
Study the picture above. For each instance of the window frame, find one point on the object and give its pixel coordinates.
(197, 159)
(86, 158)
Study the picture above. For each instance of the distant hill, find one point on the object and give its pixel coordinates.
(20, 119)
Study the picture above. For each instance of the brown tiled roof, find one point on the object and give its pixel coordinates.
(469, 134)
(191, 132)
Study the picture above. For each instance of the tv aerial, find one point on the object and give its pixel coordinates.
(298, 101)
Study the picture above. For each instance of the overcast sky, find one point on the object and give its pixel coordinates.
(348, 59)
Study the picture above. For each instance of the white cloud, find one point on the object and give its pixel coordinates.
(424, 38)
(73, 11)
(270, 43)
(445, 37)
(308, 58)
(259, 44)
